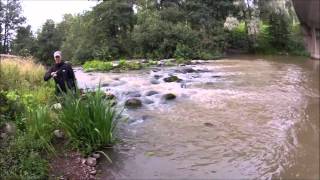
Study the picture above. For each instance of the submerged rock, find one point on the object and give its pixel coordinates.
(188, 70)
(172, 79)
(104, 84)
(133, 94)
(133, 103)
(169, 96)
(147, 101)
(118, 83)
(150, 93)
(216, 76)
(154, 81)
(208, 124)
(157, 76)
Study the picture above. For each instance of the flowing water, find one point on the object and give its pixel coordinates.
(238, 118)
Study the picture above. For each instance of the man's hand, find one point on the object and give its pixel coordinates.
(54, 74)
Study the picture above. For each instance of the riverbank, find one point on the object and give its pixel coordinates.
(43, 136)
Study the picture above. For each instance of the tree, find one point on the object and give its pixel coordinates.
(48, 41)
(112, 23)
(24, 42)
(1, 22)
(279, 29)
(10, 21)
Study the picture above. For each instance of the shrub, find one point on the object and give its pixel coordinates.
(89, 121)
(183, 52)
(96, 65)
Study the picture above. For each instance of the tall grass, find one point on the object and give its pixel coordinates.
(40, 126)
(18, 73)
(24, 78)
(89, 121)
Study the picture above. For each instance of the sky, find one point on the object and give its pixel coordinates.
(38, 11)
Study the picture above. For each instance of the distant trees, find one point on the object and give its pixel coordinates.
(49, 40)
(24, 43)
(187, 29)
(10, 20)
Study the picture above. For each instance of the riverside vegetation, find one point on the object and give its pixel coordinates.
(30, 114)
(148, 29)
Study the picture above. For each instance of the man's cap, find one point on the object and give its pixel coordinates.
(57, 53)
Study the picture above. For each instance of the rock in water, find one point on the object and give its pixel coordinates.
(133, 103)
(171, 79)
(154, 81)
(157, 76)
(208, 124)
(169, 96)
(188, 70)
(147, 101)
(150, 93)
(133, 94)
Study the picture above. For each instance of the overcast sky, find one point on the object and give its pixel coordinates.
(38, 11)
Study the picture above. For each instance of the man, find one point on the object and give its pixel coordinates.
(62, 74)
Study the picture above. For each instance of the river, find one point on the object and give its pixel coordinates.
(244, 117)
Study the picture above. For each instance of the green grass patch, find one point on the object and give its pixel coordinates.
(96, 65)
(89, 120)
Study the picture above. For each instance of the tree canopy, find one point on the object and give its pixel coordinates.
(158, 29)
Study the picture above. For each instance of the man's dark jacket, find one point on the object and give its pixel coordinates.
(65, 76)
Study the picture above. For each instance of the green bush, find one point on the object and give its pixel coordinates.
(238, 38)
(205, 55)
(89, 121)
(184, 52)
(96, 65)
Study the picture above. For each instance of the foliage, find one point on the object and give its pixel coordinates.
(48, 41)
(183, 52)
(89, 121)
(129, 65)
(279, 30)
(96, 65)
(40, 126)
(24, 43)
(23, 81)
(10, 19)
(20, 159)
(165, 29)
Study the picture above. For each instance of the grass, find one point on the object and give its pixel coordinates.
(40, 126)
(89, 121)
(20, 158)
